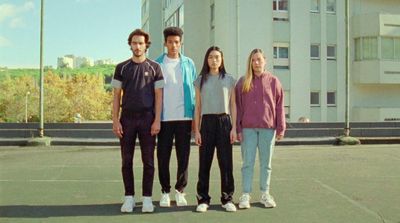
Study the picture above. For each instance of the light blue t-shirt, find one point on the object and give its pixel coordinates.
(216, 93)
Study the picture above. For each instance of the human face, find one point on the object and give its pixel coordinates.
(214, 60)
(258, 63)
(173, 45)
(138, 46)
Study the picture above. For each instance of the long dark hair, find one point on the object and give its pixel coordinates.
(205, 71)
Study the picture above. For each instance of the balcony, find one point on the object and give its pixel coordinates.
(376, 72)
(375, 24)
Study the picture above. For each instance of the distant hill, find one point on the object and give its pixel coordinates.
(104, 70)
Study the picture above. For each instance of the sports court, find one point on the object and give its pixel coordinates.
(309, 183)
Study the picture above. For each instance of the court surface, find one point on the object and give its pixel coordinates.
(309, 183)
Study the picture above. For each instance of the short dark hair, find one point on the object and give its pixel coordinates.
(140, 32)
(172, 31)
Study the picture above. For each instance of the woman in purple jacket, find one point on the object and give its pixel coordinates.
(260, 120)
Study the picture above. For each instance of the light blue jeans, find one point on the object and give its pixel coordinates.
(264, 140)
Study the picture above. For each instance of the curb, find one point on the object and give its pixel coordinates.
(115, 142)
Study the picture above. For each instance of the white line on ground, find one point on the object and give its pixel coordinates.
(355, 203)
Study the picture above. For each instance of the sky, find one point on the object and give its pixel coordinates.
(97, 29)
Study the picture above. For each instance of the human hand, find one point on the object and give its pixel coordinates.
(197, 138)
(117, 129)
(239, 137)
(233, 136)
(279, 137)
(155, 128)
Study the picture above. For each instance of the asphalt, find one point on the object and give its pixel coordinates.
(115, 141)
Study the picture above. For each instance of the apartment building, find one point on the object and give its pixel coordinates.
(304, 42)
(71, 61)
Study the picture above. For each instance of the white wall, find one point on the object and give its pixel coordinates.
(300, 61)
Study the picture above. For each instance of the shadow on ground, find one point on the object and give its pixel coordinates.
(45, 211)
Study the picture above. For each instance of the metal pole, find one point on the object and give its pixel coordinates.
(41, 127)
(347, 79)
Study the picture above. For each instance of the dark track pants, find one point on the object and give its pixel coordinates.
(133, 125)
(181, 131)
(215, 133)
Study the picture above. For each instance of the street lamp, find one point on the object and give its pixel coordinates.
(26, 106)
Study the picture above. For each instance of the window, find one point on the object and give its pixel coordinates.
(181, 17)
(280, 5)
(366, 48)
(176, 19)
(331, 98)
(390, 48)
(287, 112)
(281, 56)
(280, 10)
(314, 52)
(145, 8)
(369, 48)
(171, 21)
(387, 48)
(281, 52)
(330, 6)
(357, 51)
(167, 3)
(331, 52)
(314, 6)
(314, 98)
(146, 26)
(287, 104)
(212, 16)
(397, 48)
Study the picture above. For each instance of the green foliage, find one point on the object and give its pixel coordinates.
(64, 97)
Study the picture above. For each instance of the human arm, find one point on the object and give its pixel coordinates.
(197, 113)
(280, 112)
(117, 127)
(239, 111)
(156, 126)
(233, 134)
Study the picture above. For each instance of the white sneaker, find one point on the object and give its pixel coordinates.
(128, 205)
(147, 205)
(165, 201)
(267, 200)
(202, 207)
(229, 207)
(244, 201)
(180, 199)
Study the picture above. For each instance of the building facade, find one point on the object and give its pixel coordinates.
(71, 61)
(305, 46)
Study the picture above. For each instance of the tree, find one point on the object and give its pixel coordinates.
(64, 97)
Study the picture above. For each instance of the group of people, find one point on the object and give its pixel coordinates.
(167, 99)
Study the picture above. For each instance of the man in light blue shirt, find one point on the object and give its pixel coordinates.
(177, 113)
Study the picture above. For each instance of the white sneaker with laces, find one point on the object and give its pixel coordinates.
(229, 207)
(147, 205)
(180, 199)
(244, 201)
(128, 205)
(202, 207)
(165, 201)
(267, 200)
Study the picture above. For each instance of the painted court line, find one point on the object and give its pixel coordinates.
(355, 203)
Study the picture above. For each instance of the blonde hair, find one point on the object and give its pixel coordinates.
(247, 83)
